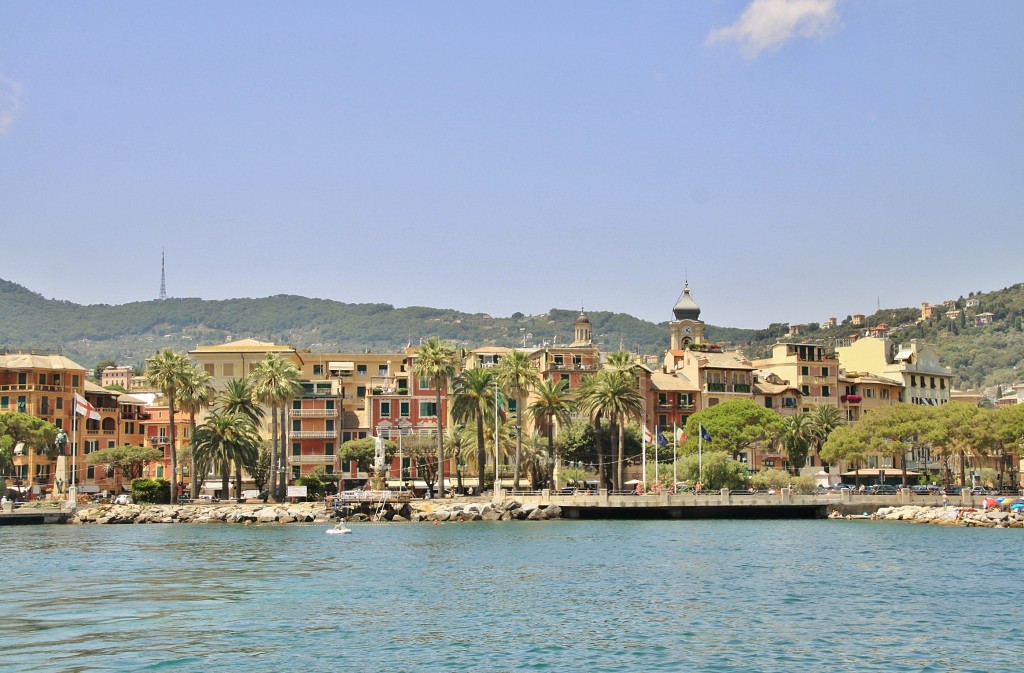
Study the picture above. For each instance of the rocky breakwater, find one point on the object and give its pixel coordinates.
(510, 510)
(226, 513)
(952, 516)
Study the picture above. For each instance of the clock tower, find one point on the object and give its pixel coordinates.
(687, 329)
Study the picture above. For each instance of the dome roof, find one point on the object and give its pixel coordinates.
(582, 318)
(686, 308)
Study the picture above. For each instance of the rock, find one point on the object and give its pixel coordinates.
(553, 512)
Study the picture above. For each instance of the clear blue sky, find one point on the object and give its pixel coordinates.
(796, 159)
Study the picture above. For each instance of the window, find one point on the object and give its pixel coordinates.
(346, 437)
(382, 370)
(884, 394)
(662, 399)
(329, 405)
(932, 382)
(90, 473)
(229, 369)
(403, 408)
(296, 404)
(318, 370)
(129, 428)
(5, 402)
(767, 403)
(385, 409)
(913, 381)
(558, 360)
(296, 425)
(360, 391)
(159, 471)
(361, 370)
(42, 379)
(328, 469)
(428, 409)
(328, 448)
(512, 405)
(423, 384)
(805, 390)
(662, 421)
(60, 402)
(826, 391)
(56, 379)
(329, 425)
(805, 371)
(824, 371)
(74, 380)
(208, 368)
(296, 449)
(564, 377)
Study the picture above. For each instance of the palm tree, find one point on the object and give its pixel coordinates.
(168, 371)
(237, 398)
(517, 376)
(823, 420)
(223, 439)
(435, 362)
(274, 382)
(194, 396)
(457, 445)
(553, 404)
(615, 396)
(795, 436)
(473, 399)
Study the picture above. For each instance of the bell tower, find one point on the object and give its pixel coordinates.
(687, 329)
(581, 330)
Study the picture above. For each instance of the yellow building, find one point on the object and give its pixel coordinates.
(813, 369)
(914, 366)
(861, 392)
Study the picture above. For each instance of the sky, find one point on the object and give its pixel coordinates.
(792, 159)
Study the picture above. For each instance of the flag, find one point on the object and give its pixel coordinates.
(84, 408)
(647, 435)
(704, 434)
(680, 435)
(662, 442)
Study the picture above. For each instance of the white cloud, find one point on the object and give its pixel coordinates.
(10, 102)
(768, 24)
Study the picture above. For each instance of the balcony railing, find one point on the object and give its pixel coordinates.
(311, 460)
(726, 388)
(570, 367)
(28, 387)
(312, 434)
(314, 413)
(159, 441)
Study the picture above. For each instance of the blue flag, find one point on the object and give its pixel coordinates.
(662, 442)
(705, 434)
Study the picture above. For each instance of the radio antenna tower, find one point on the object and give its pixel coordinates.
(163, 283)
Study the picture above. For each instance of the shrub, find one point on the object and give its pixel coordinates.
(156, 491)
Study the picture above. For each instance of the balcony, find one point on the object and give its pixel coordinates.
(311, 460)
(570, 367)
(312, 434)
(31, 387)
(850, 399)
(314, 413)
(159, 441)
(742, 388)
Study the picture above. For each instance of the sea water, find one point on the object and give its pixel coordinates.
(513, 596)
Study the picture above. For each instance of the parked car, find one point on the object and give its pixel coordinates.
(882, 489)
(951, 490)
(123, 499)
(924, 490)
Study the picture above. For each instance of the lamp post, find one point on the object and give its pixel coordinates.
(496, 452)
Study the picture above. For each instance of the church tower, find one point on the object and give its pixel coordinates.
(687, 329)
(581, 330)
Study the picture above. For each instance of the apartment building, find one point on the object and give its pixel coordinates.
(812, 368)
(915, 366)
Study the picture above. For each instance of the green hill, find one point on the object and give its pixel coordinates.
(128, 333)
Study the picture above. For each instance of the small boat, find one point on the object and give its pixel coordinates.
(340, 529)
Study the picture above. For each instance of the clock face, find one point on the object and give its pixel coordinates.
(687, 329)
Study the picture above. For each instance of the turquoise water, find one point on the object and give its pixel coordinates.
(528, 596)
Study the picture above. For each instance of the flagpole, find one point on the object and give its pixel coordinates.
(675, 454)
(657, 444)
(700, 452)
(643, 436)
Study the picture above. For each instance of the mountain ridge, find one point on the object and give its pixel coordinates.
(128, 333)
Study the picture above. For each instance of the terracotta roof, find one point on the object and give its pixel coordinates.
(244, 345)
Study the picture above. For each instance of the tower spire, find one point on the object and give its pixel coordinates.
(163, 283)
